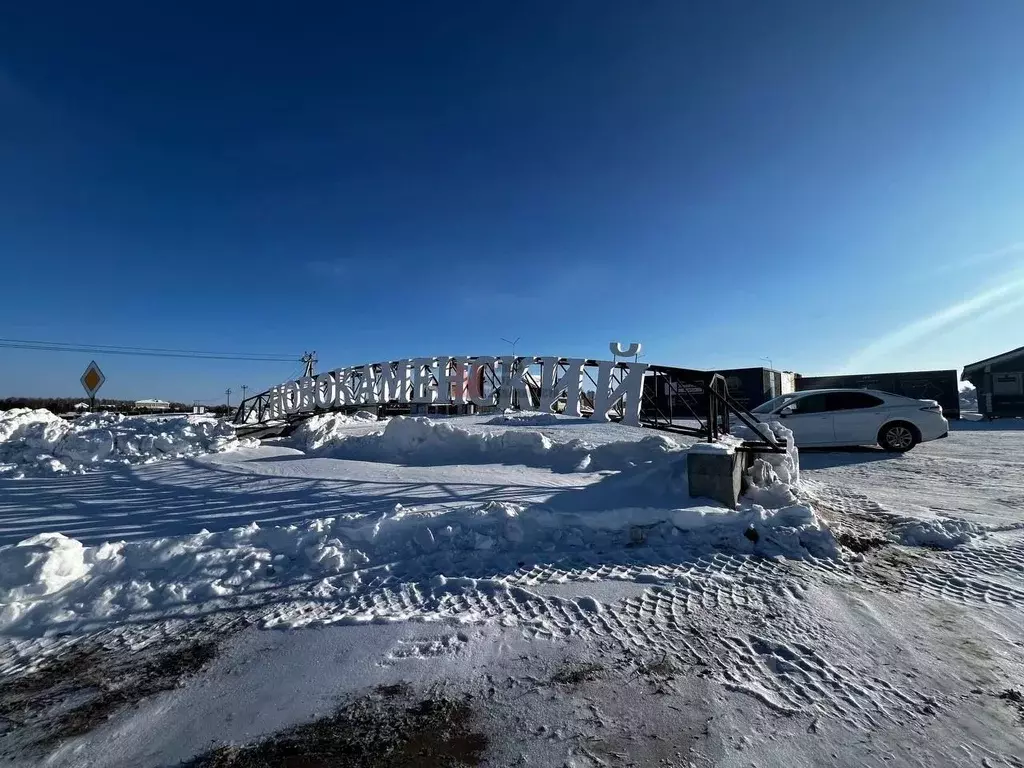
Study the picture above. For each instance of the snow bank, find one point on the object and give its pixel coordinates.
(940, 533)
(420, 441)
(319, 432)
(529, 419)
(51, 580)
(36, 441)
(53, 583)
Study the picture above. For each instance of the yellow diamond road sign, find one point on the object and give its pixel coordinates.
(93, 379)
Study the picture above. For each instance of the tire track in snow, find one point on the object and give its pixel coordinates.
(692, 614)
(987, 570)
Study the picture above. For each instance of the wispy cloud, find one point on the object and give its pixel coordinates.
(1007, 252)
(1007, 296)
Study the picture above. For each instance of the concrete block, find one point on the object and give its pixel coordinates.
(715, 475)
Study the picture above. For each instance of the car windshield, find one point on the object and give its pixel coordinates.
(774, 403)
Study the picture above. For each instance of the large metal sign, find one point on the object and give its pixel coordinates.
(610, 390)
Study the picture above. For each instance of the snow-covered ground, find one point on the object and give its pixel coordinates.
(38, 442)
(549, 575)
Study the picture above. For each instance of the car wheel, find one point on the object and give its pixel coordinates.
(898, 437)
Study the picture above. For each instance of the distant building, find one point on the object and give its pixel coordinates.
(153, 405)
(999, 382)
(81, 406)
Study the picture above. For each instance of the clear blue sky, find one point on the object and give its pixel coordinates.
(835, 185)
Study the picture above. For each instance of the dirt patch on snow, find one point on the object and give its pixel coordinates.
(859, 542)
(71, 695)
(574, 674)
(388, 728)
(1015, 699)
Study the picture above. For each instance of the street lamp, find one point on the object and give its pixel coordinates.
(770, 364)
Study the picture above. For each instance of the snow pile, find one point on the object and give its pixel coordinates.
(40, 566)
(318, 432)
(420, 441)
(36, 441)
(938, 533)
(969, 399)
(528, 419)
(51, 582)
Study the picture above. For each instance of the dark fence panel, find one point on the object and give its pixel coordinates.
(748, 387)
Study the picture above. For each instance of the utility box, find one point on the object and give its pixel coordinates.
(715, 473)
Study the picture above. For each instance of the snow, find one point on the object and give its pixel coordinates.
(527, 419)
(859, 607)
(324, 430)
(38, 442)
(40, 566)
(940, 533)
(425, 442)
(71, 585)
(723, 447)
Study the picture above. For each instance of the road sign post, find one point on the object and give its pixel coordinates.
(92, 380)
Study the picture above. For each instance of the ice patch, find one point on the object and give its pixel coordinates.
(37, 442)
(420, 441)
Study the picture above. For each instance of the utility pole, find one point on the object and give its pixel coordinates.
(309, 360)
(513, 343)
(228, 393)
(244, 387)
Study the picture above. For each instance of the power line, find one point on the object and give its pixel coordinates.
(107, 349)
(290, 357)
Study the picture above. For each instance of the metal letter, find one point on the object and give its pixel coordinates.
(394, 380)
(552, 387)
(422, 377)
(631, 351)
(324, 393)
(478, 383)
(629, 387)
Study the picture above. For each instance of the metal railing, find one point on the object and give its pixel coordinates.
(697, 403)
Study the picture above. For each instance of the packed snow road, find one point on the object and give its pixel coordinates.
(544, 582)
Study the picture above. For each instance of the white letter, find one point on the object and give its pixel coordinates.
(274, 408)
(629, 387)
(394, 380)
(422, 376)
(362, 388)
(552, 387)
(515, 377)
(343, 389)
(324, 392)
(444, 380)
(459, 380)
(292, 395)
(478, 382)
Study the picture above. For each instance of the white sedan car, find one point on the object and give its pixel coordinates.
(848, 417)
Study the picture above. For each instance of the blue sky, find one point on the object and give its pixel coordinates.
(837, 186)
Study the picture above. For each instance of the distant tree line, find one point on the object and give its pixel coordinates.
(62, 405)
